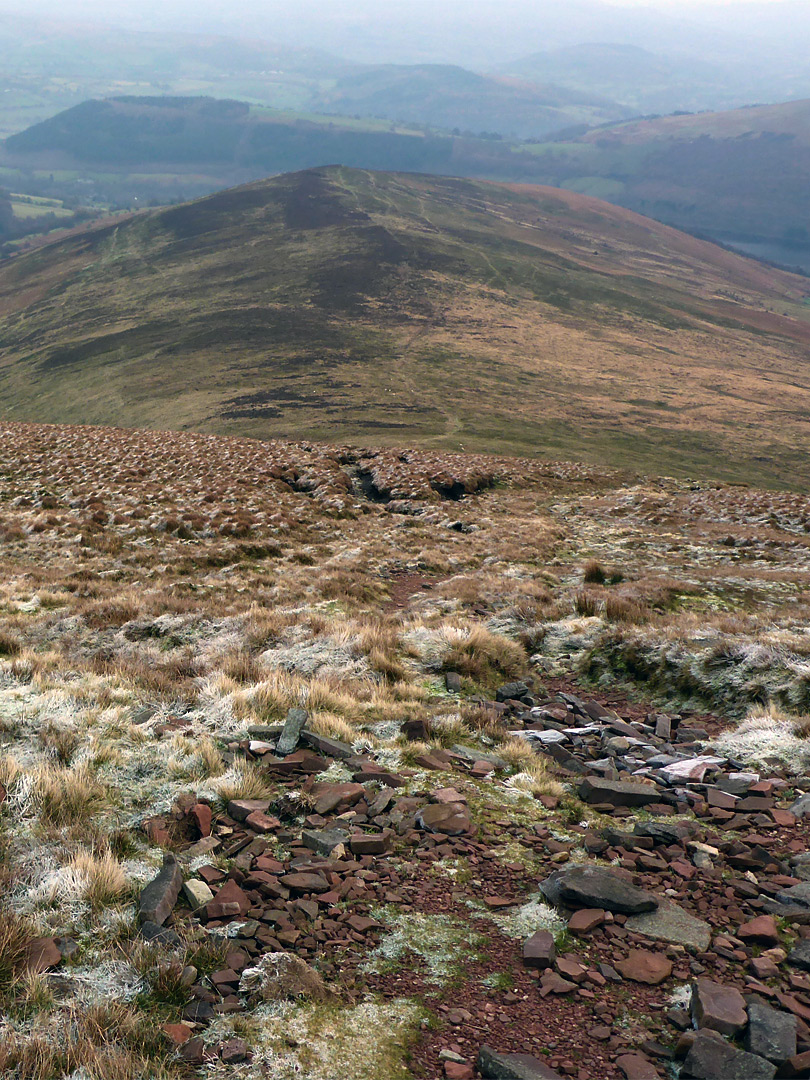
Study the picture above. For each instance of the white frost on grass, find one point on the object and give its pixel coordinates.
(110, 980)
(766, 740)
(440, 941)
(526, 920)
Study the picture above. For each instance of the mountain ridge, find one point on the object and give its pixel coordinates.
(340, 304)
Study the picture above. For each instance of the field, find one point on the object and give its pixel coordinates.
(338, 304)
(166, 598)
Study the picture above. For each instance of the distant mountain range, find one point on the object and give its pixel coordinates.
(340, 304)
(741, 176)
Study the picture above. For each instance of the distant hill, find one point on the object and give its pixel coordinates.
(642, 80)
(443, 96)
(341, 305)
(740, 176)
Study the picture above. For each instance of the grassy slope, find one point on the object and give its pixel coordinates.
(337, 304)
(737, 174)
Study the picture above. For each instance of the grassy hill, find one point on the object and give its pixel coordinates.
(449, 97)
(343, 305)
(740, 175)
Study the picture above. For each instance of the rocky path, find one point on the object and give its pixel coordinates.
(658, 920)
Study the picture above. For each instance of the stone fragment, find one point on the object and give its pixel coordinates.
(230, 900)
(801, 807)
(369, 844)
(691, 769)
(645, 967)
(585, 920)
(636, 1067)
(279, 976)
(594, 789)
(162, 935)
(770, 1033)
(710, 1058)
(539, 950)
(201, 813)
(762, 930)
(305, 883)
(330, 797)
(452, 819)
(178, 1033)
(160, 895)
(494, 1066)
(452, 682)
(197, 893)
(193, 1050)
(233, 1051)
(291, 732)
(672, 924)
(328, 747)
(799, 956)
(512, 691)
(596, 887)
(324, 841)
(721, 1008)
(261, 822)
(239, 809)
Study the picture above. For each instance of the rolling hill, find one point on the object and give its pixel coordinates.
(740, 176)
(338, 305)
(448, 97)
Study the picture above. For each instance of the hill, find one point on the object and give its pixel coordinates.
(476, 675)
(740, 176)
(340, 304)
(643, 80)
(448, 97)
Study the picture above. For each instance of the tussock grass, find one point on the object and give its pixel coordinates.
(100, 1042)
(60, 741)
(16, 934)
(68, 796)
(243, 781)
(483, 656)
(98, 879)
(593, 573)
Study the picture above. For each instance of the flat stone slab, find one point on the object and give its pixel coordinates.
(645, 967)
(495, 1066)
(800, 955)
(672, 924)
(770, 1033)
(597, 887)
(594, 789)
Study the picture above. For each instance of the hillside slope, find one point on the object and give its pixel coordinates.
(740, 175)
(335, 304)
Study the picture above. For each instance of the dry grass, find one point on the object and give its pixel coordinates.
(99, 1042)
(593, 573)
(68, 796)
(484, 657)
(243, 781)
(16, 933)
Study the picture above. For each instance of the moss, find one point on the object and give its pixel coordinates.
(444, 944)
(366, 1041)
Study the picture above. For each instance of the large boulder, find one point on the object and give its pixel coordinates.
(596, 887)
(712, 1058)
